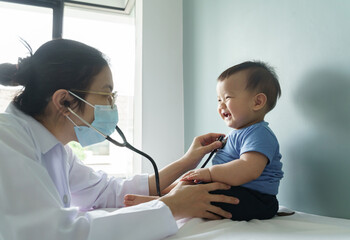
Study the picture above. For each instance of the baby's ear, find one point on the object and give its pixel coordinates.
(260, 100)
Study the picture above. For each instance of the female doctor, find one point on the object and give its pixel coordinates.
(46, 192)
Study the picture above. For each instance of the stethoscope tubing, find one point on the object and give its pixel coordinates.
(221, 139)
(132, 148)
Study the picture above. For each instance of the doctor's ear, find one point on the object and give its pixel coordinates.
(260, 100)
(66, 103)
(61, 100)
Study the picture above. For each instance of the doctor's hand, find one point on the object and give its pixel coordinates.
(200, 146)
(187, 200)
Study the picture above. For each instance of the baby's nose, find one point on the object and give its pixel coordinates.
(222, 104)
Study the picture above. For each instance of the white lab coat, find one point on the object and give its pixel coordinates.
(45, 192)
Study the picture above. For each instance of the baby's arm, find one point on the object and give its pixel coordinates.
(247, 168)
(198, 175)
(235, 173)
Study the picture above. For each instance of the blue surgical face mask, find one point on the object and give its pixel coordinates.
(106, 118)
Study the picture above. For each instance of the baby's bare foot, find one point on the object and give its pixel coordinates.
(133, 199)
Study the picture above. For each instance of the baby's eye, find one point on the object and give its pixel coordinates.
(219, 100)
(227, 97)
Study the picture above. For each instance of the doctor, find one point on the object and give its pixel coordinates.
(46, 192)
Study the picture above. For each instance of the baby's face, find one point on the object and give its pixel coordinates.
(235, 103)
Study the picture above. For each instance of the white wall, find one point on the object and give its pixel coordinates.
(159, 24)
(307, 41)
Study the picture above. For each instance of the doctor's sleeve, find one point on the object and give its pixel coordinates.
(92, 190)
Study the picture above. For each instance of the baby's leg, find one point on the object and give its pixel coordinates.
(252, 204)
(133, 199)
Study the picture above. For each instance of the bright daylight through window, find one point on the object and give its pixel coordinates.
(111, 33)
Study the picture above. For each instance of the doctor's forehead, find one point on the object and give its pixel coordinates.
(103, 81)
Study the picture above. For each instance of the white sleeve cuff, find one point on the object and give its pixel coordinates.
(150, 220)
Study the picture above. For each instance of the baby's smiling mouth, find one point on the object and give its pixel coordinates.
(226, 114)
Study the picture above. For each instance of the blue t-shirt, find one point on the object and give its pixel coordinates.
(255, 138)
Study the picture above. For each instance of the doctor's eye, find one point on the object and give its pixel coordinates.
(112, 97)
(110, 100)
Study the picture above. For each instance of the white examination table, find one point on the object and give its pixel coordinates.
(295, 227)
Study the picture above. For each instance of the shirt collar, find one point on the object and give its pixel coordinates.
(42, 136)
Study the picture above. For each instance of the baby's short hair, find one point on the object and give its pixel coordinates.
(261, 78)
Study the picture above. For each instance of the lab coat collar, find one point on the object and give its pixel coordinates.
(44, 137)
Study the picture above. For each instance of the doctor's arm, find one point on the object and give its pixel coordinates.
(31, 208)
(92, 190)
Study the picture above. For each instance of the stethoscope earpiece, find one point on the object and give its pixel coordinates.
(66, 103)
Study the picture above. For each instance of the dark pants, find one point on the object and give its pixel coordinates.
(252, 204)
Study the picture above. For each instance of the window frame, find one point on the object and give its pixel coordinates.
(57, 12)
(126, 10)
(57, 7)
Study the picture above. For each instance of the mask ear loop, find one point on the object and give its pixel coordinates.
(67, 106)
(85, 122)
(72, 122)
(81, 99)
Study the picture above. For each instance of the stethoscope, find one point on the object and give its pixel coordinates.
(125, 143)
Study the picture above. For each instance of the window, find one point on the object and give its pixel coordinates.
(111, 33)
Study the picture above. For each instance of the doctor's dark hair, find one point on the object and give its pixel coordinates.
(261, 78)
(57, 64)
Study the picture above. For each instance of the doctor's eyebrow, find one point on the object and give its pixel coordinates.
(108, 86)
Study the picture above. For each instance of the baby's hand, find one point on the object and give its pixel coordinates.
(198, 175)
